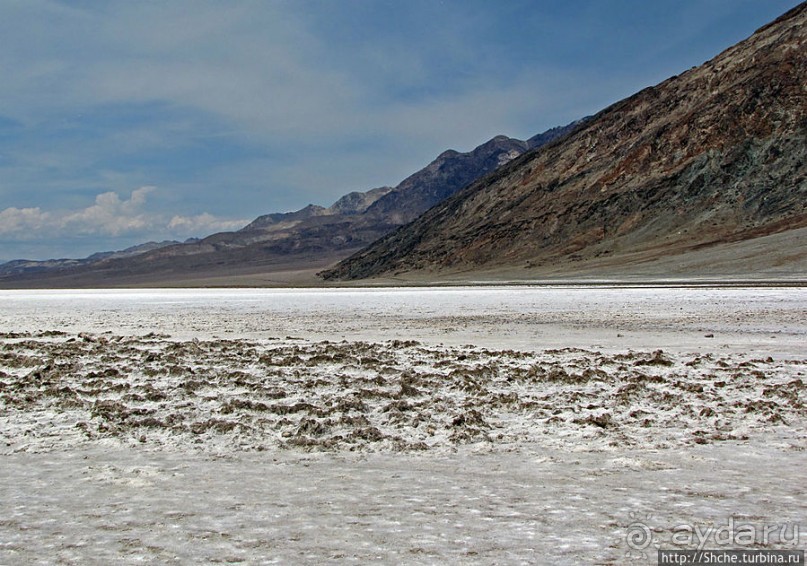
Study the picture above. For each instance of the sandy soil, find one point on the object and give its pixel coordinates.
(495, 425)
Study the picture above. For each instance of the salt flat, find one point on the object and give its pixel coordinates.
(428, 425)
(764, 319)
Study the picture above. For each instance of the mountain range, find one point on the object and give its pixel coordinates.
(276, 246)
(703, 174)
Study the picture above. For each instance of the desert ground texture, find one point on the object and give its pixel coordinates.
(556, 424)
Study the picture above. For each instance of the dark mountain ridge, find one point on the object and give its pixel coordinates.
(713, 156)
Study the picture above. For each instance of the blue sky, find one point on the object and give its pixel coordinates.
(123, 122)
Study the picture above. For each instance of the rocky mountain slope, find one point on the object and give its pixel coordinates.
(312, 237)
(714, 156)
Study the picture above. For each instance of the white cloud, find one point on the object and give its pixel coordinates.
(24, 222)
(110, 216)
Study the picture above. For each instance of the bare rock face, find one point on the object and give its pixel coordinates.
(714, 155)
(443, 177)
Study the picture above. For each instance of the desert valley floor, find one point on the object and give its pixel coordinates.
(587, 424)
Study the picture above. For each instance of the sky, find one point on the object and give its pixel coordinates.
(125, 122)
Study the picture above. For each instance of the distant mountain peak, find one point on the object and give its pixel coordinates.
(447, 154)
(357, 202)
